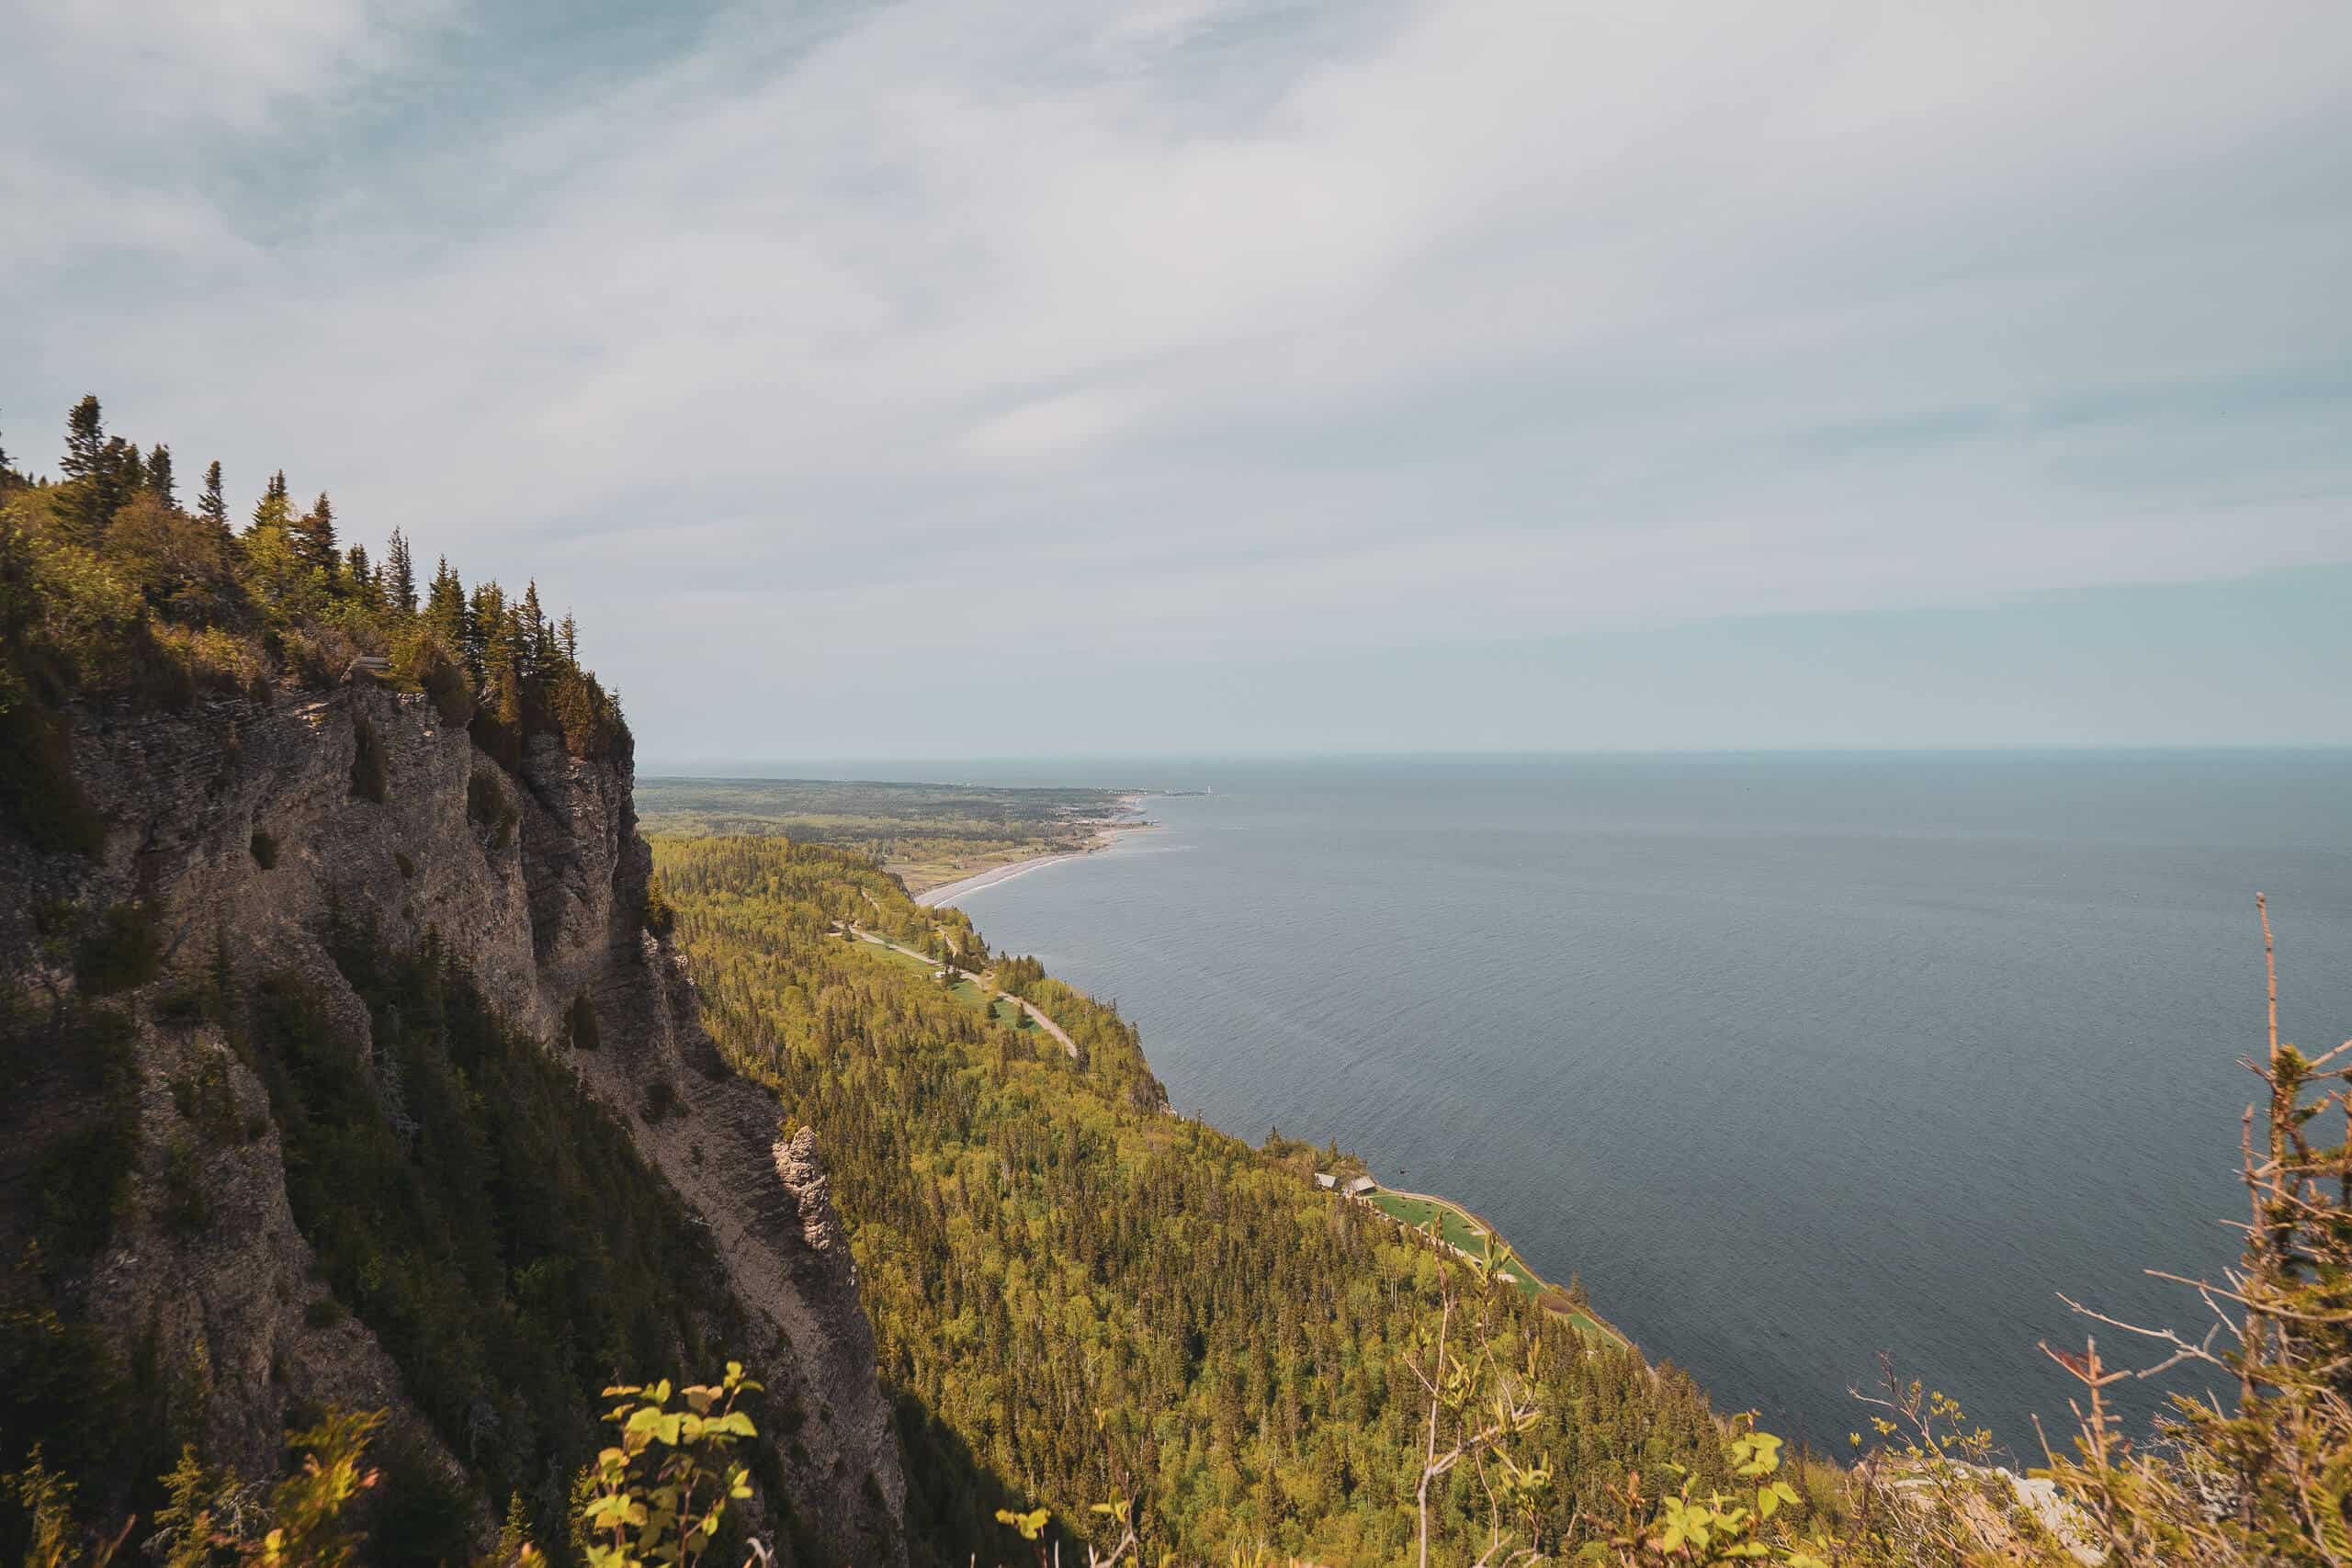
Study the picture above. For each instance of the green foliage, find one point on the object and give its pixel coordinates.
(494, 1228)
(121, 950)
(657, 915)
(659, 1492)
(185, 1210)
(488, 808)
(206, 1099)
(112, 594)
(1038, 1239)
(1722, 1525)
(264, 850)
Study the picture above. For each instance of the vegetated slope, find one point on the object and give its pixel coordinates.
(1078, 1296)
(338, 1064)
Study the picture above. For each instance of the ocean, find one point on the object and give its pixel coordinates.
(1795, 1061)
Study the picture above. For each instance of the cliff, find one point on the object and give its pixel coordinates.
(239, 833)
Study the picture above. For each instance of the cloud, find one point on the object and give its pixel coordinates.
(1261, 328)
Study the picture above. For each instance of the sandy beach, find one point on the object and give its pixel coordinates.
(1105, 833)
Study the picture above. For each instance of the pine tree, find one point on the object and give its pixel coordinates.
(159, 476)
(568, 635)
(214, 506)
(314, 536)
(399, 574)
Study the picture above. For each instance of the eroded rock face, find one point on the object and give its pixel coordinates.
(244, 826)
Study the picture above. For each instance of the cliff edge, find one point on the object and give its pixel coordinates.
(239, 834)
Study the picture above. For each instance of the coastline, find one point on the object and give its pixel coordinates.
(1101, 834)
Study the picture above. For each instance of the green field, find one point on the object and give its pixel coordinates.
(1456, 1225)
(1005, 1010)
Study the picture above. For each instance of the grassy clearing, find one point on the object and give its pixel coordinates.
(1004, 1009)
(1456, 1226)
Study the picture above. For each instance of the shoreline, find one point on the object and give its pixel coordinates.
(1102, 833)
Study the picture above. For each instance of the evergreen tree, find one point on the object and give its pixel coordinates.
(535, 644)
(127, 475)
(159, 476)
(486, 622)
(91, 475)
(399, 574)
(214, 506)
(85, 440)
(314, 536)
(276, 512)
(568, 636)
(445, 610)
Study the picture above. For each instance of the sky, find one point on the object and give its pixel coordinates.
(1183, 376)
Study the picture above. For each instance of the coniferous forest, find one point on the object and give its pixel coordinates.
(1039, 1241)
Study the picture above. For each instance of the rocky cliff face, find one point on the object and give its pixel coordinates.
(243, 826)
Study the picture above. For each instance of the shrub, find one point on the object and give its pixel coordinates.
(661, 1101)
(185, 1210)
(324, 1312)
(418, 661)
(408, 866)
(122, 951)
(216, 659)
(206, 1099)
(264, 850)
(40, 797)
(367, 763)
(487, 805)
(658, 1496)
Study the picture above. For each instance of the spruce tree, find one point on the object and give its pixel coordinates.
(92, 475)
(85, 439)
(214, 506)
(445, 610)
(533, 643)
(399, 574)
(274, 512)
(159, 476)
(314, 536)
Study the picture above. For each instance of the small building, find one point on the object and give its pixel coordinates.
(1361, 1185)
(1326, 1180)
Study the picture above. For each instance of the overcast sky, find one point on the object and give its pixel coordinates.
(1056, 376)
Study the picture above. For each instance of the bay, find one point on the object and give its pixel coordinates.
(1795, 1060)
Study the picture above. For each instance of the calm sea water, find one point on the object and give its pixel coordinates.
(1793, 1060)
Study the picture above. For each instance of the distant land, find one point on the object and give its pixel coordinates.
(928, 835)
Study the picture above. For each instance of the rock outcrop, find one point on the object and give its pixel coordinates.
(243, 826)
